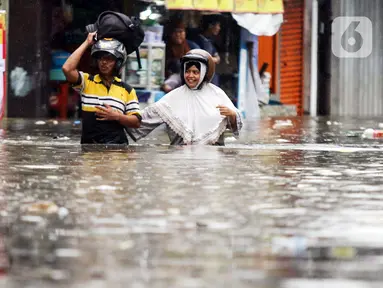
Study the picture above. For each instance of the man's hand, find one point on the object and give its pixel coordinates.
(107, 113)
(90, 39)
(223, 110)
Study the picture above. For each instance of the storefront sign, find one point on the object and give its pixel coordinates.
(236, 6)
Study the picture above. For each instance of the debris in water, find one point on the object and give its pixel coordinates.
(126, 245)
(174, 211)
(40, 122)
(372, 134)
(97, 273)
(58, 275)
(42, 207)
(31, 218)
(63, 212)
(48, 167)
(282, 124)
(105, 188)
(61, 138)
(283, 141)
(68, 253)
(354, 134)
(230, 139)
(154, 212)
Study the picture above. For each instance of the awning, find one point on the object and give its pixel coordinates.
(235, 6)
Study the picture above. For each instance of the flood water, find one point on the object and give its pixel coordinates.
(290, 204)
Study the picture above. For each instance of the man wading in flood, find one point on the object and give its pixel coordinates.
(108, 104)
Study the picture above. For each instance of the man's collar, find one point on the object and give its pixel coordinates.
(97, 79)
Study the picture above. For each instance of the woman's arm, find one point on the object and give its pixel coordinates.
(150, 121)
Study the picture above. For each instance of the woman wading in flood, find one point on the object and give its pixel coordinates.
(198, 112)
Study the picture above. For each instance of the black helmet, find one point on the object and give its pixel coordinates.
(200, 56)
(112, 46)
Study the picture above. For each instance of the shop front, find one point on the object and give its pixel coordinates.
(158, 22)
(244, 18)
(39, 89)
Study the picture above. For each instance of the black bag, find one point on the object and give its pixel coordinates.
(116, 25)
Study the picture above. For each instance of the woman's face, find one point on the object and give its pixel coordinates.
(192, 76)
(106, 64)
(178, 36)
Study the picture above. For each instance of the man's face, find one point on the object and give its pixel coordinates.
(215, 28)
(106, 64)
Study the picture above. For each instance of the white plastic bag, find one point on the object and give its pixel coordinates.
(252, 111)
(260, 24)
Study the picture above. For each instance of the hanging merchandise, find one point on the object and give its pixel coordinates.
(119, 26)
(260, 24)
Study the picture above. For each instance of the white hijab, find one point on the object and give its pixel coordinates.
(192, 113)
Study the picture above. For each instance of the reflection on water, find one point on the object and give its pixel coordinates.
(284, 206)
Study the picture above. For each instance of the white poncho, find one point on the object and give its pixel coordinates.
(192, 114)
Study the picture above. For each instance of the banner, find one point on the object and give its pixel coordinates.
(179, 4)
(225, 5)
(205, 4)
(245, 6)
(235, 6)
(265, 6)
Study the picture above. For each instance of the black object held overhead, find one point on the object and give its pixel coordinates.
(119, 26)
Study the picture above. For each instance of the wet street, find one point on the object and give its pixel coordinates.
(290, 205)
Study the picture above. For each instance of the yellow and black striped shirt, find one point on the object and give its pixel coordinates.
(119, 95)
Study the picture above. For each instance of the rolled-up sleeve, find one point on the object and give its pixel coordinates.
(82, 79)
(132, 106)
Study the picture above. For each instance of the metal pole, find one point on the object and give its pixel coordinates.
(314, 61)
